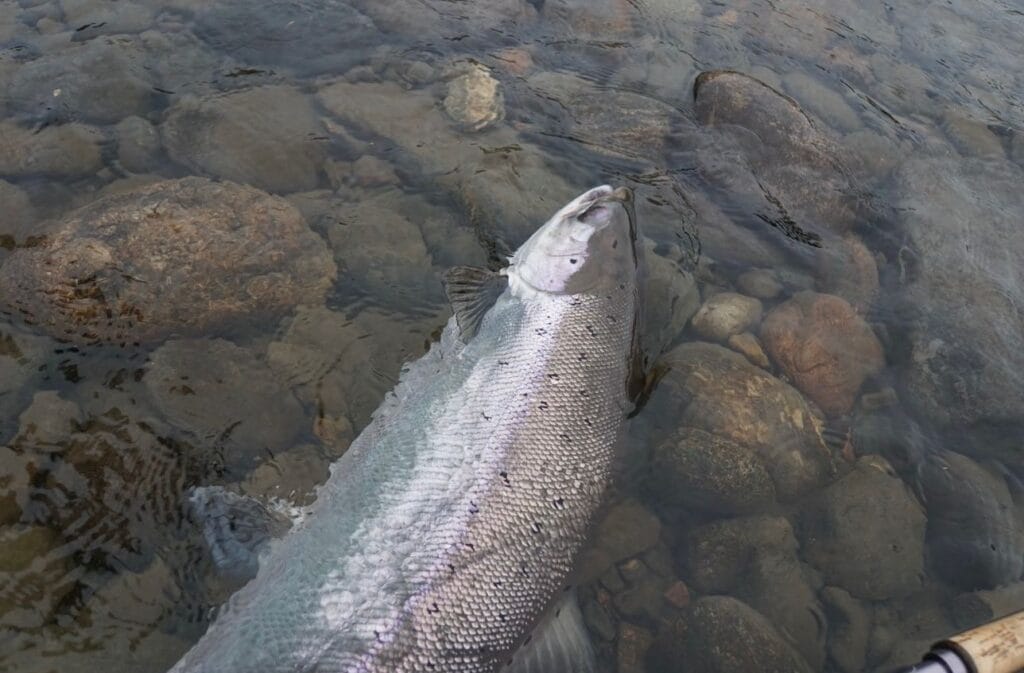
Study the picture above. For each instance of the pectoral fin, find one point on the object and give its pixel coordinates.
(236, 529)
(559, 643)
(472, 291)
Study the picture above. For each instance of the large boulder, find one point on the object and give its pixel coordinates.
(964, 295)
(726, 635)
(719, 391)
(796, 164)
(269, 137)
(865, 533)
(175, 257)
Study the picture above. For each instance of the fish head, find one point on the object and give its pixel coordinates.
(586, 247)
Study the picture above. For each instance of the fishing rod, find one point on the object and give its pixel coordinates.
(996, 647)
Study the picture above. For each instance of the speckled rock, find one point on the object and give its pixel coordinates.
(65, 151)
(759, 283)
(824, 347)
(628, 529)
(224, 397)
(110, 81)
(138, 144)
(755, 559)
(865, 533)
(747, 345)
(91, 18)
(791, 159)
(176, 257)
(291, 475)
(698, 470)
(719, 391)
(15, 473)
(973, 537)
(849, 623)
(475, 99)
(269, 137)
(34, 575)
(970, 609)
(726, 314)
(726, 635)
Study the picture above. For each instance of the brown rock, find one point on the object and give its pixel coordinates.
(175, 257)
(748, 346)
(720, 392)
(67, 151)
(824, 347)
(726, 314)
(632, 648)
(678, 595)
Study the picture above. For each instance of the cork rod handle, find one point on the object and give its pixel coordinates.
(996, 647)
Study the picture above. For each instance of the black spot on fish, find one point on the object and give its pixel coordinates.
(529, 637)
(582, 357)
(451, 568)
(504, 477)
(503, 617)
(502, 362)
(433, 609)
(572, 260)
(540, 331)
(584, 393)
(587, 421)
(565, 438)
(611, 318)
(559, 503)
(473, 508)
(536, 527)
(543, 405)
(615, 244)
(591, 330)
(486, 417)
(622, 286)
(496, 583)
(553, 377)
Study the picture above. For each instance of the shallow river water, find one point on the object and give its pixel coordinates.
(223, 225)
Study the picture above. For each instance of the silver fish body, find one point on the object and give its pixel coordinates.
(453, 522)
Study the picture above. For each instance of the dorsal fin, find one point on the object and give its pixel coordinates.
(472, 291)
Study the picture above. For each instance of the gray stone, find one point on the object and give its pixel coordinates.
(849, 623)
(65, 151)
(872, 155)
(49, 421)
(269, 137)
(974, 538)
(971, 137)
(698, 470)
(726, 314)
(978, 607)
(964, 294)
(19, 215)
(138, 145)
(292, 475)
(790, 158)
(599, 620)
(759, 283)
(225, 398)
(109, 81)
(726, 635)
(631, 648)
(627, 530)
(90, 18)
(827, 104)
(671, 298)
(847, 268)
(717, 390)
(865, 533)
(15, 482)
(175, 257)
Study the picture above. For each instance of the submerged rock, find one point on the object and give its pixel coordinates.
(475, 99)
(974, 539)
(269, 137)
(718, 391)
(849, 623)
(824, 347)
(698, 470)
(671, 298)
(726, 635)
(65, 151)
(964, 296)
(175, 257)
(796, 165)
(726, 314)
(865, 533)
(225, 399)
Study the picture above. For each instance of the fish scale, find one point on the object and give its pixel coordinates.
(452, 523)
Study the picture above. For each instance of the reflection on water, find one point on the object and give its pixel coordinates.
(828, 476)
